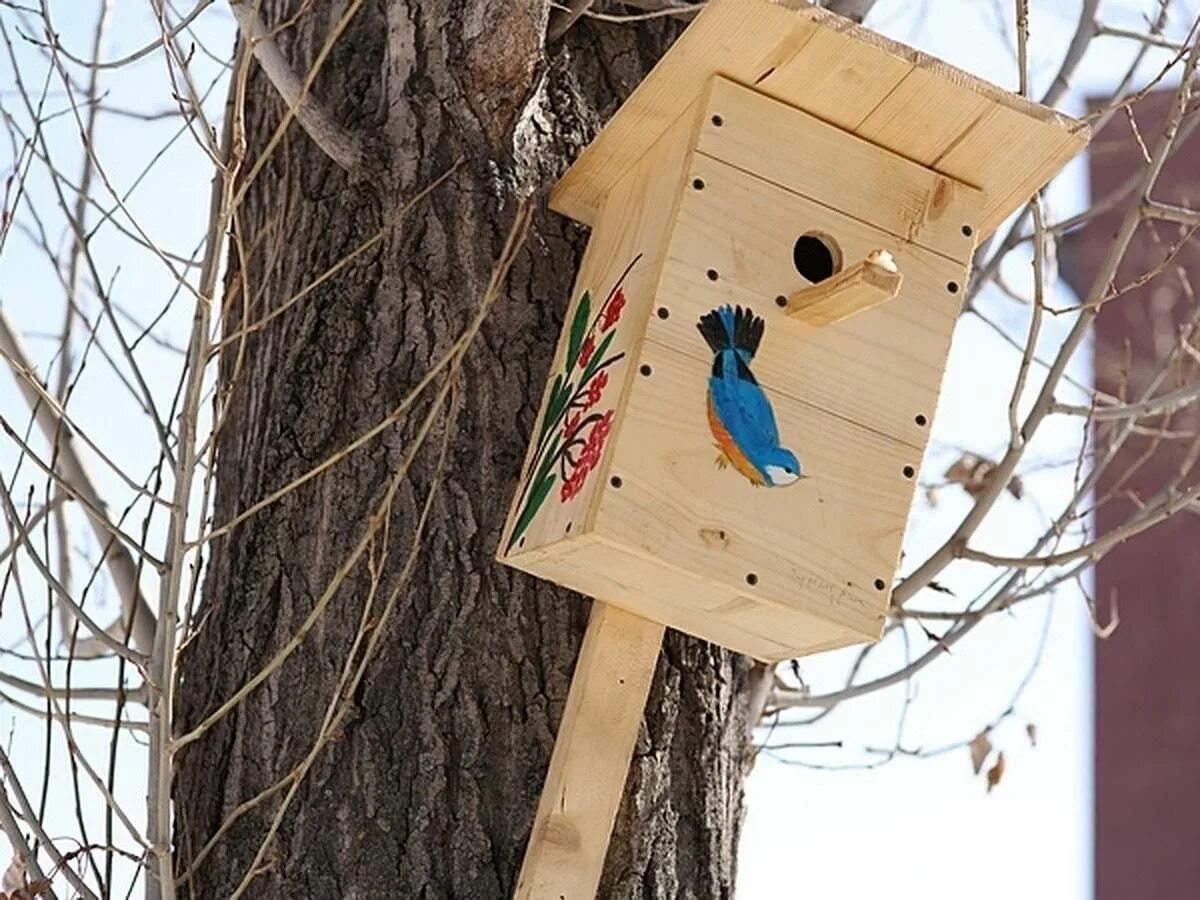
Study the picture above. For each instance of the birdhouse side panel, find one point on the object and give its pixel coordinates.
(581, 405)
(799, 152)
(694, 605)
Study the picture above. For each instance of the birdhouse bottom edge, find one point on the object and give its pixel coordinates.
(653, 589)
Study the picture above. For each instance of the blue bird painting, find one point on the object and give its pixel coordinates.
(739, 413)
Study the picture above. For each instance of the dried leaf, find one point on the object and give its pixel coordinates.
(980, 748)
(14, 876)
(973, 472)
(996, 772)
(1031, 731)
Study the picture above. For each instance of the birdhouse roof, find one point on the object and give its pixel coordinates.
(882, 91)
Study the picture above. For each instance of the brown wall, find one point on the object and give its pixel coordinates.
(1147, 763)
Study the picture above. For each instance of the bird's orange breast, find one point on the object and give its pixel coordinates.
(736, 457)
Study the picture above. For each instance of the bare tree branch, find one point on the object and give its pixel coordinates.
(343, 147)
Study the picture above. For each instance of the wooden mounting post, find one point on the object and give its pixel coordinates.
(873, 281)
(591, 756)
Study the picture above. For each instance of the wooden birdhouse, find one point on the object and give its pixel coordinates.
(783, 218)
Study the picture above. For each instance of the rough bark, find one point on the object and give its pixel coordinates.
(430, 786)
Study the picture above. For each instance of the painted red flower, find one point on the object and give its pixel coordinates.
(574, 484)
(596, 438)
(572, 421)
(596, 388)
(586, 351)
(612, 312)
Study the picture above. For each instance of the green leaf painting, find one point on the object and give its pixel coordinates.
(573, 430)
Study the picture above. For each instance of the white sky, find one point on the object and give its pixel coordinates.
(913, 828)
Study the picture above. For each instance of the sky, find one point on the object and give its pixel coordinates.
(923, 828)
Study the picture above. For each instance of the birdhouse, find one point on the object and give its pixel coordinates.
(783, 217)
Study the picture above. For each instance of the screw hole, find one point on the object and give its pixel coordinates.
(713, 274)
(645, 370)
(920, 420)
(909, 471)
(698, 183)
(663, 312)
(751, 579)
(816, 256)
(718, 121)
(880, 584)
(967, 230)
(952, 287)
(781, 301)
(615, 481)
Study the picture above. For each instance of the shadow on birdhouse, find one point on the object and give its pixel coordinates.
(783, 219)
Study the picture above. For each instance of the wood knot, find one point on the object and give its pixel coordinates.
(562, 832)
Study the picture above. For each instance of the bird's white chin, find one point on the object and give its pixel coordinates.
(780, 476)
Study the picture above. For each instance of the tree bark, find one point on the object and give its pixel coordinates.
(428, 788)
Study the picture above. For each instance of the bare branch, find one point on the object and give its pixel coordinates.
(137, 618)
(343, 147)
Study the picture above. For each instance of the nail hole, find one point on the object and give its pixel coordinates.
(645, 370)
(718, 121)
(698, 183)
(569, 524)
(620, 681)
(751, 579)
(920, 420)
(663, 312)
(713, 274)
(615, 481)
(909, 471)
(816, 256)
(521, 542)
(880, 584)
(952, 287)
(968, 230)
(781, 301)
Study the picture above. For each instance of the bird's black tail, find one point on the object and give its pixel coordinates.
(726, 327)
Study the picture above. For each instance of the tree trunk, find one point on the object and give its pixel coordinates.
(427, 788)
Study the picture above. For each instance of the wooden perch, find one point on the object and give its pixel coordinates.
(873, 281)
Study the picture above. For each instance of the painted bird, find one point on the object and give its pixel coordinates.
(739, 412)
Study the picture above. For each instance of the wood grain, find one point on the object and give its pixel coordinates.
(637, 222)
(685, 600)
(881, 370)
(857, 289)
(961, 126)
(798, 151)
(819, 546)
(590, 763)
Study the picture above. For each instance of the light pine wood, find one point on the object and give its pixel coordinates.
(591, 756)
(629, 577)
(638, 219)
(817, 546)
(813, 60)
(881, 369)
(798, 151)
(854, 290)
